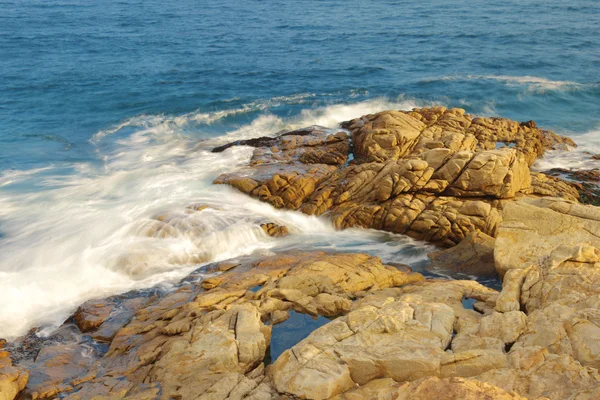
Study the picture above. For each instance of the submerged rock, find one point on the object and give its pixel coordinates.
(432, 173)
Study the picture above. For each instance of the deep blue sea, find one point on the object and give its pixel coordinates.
(108, 110)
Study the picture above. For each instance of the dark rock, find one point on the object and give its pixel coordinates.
(268, 141)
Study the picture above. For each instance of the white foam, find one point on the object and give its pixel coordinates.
(533, 83)
(81, 235)
(576, 158)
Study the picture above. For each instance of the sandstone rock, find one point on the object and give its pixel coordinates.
(55, 366)
(433, 174)
(275, 230)
(549, 186)
(534, 228)
(399, 333)
(396, 335)
(474, 255)
(210, 343)
(12, 379)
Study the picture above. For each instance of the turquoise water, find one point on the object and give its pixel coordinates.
(108, 109)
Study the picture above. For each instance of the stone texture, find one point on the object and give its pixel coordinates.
(432, 173)
(12, 379)
(212, 342)
(474, 255)
(393, 334)
(534, 228)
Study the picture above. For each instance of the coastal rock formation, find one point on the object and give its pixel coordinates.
(392, 335)
(212, 341)
(585, 182)
(381, 331)
(433, 174)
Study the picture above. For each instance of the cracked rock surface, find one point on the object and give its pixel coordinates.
(432, 173)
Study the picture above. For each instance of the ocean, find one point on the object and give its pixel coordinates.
(109, 109)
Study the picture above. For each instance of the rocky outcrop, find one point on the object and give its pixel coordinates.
(207, 338)
(392, 334)
(432, 173)
(398, 342)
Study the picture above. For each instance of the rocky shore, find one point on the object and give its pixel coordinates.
(365, 330)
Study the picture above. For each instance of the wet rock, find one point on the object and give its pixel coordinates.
(268, 141)
(275, 230)
(585, 182)
(91, 314)
(55, 366)
(474, 255)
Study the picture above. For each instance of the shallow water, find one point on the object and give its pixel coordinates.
(109, 110)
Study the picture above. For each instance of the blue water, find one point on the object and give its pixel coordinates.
(103, 103)
(71, 68)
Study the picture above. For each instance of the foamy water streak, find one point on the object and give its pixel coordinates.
(575, 158)
(533, 83)
(67, 238)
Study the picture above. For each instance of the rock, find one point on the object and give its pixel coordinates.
(212, 343)
(585, 182)
(275, 230)
(474, 255)
(402, 337)
(392, 335)
(549, 186)
(12, 379)
(534, 228)
(429, 388)
(91, 314)
(276, 140)
(55, 366)
(433, 174)
(102, 318)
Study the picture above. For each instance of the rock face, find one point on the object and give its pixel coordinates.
(432, 173)
(12, 379)
(473, 256)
